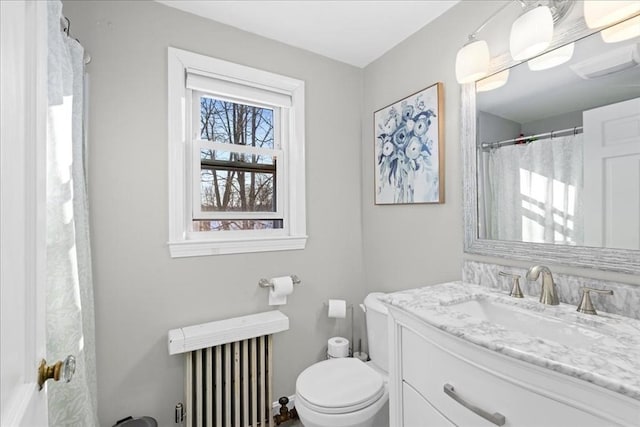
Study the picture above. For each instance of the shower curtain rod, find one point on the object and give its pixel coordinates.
(526, 139)
(67, 30)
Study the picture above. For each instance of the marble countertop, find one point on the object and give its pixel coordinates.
(612, 361)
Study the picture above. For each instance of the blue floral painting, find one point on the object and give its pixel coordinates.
(408, 151)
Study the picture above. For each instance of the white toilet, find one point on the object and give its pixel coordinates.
(347, 392)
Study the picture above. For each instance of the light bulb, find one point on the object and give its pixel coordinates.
(472, 62)
(552, 59)
(493, 82)
(531, 33)
(602, 13)
(623, 31)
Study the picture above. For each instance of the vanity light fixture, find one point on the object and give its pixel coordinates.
(599, 14)
(623, 31)
(552, 59)
(472, 61)
(493, 82)
(530, 35)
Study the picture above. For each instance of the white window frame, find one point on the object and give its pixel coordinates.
(183, 242)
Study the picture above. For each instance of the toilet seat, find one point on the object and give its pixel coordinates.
(339, 386)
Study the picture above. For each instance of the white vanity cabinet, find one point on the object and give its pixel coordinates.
(437, 379)
(419, 412)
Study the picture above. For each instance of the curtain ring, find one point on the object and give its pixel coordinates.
(551, 137)
(68, 29)
(575, 130)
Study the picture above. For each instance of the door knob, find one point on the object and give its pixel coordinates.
(61, 369)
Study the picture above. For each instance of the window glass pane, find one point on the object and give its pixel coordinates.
(232, 123)
(239, 224)
(237, 182)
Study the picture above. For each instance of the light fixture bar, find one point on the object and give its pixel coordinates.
(472, 60)
(486, 21)
(531, 34)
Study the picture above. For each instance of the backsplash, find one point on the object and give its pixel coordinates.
(625, 300)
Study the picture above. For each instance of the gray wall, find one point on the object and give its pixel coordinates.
(492, 128)
(410, 245)
(140, 291)
(559, 122)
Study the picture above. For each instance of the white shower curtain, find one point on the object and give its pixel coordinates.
(535, 191)
(70, 315)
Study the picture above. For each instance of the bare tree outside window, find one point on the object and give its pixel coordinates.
(231, 181)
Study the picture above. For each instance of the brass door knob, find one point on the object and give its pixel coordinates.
(61, 369)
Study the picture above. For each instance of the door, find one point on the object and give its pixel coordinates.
(23, 59)
(612, 175)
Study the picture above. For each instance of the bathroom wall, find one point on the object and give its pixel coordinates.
(492, 128)
(410, 245)
(140, 291)
(559, 122)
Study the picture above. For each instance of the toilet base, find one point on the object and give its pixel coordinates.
(375, 415)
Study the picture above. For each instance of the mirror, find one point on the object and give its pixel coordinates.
(546, 176)
(552, 153)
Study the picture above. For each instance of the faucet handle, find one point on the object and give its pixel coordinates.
(515, 292)
(586, 306)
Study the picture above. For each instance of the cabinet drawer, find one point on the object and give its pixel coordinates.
(428, 367)
(417, 412)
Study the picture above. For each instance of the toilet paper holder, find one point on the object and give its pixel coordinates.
(350, 310)
(266, 283)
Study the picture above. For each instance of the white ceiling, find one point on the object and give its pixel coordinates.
(355, 32)
(559, 90)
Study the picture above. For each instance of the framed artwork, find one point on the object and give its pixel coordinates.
(409, 149)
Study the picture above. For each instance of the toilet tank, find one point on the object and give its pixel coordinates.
(376, 318)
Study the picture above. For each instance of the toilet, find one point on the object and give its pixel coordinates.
(348, 392)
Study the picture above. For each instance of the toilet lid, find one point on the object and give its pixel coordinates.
(338, 386)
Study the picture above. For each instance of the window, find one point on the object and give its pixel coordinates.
(236, 158)
(236, 174)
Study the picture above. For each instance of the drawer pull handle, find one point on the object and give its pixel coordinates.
(497, 418)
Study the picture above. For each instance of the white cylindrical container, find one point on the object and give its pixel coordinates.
(337, 347)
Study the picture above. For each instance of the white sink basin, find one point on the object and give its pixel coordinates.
(529, 322)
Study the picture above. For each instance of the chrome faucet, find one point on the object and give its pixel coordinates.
(548, 294)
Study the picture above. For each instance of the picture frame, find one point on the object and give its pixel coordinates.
(409, 149)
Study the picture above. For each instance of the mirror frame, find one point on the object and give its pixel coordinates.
(618, 260)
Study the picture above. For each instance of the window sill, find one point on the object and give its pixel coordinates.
(191, 248)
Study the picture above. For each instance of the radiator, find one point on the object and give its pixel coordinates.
(230, 385)
(228, 377)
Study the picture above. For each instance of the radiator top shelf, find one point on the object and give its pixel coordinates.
(196, 337)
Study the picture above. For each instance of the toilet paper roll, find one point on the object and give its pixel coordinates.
(337, 308)
(338, 347)
(280, 288)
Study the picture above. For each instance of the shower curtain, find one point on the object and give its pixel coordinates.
(69, 293)
(535, 191)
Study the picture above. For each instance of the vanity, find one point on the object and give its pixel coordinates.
(467, 355)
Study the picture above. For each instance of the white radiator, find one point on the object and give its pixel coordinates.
(228, 374)
(230, 385)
